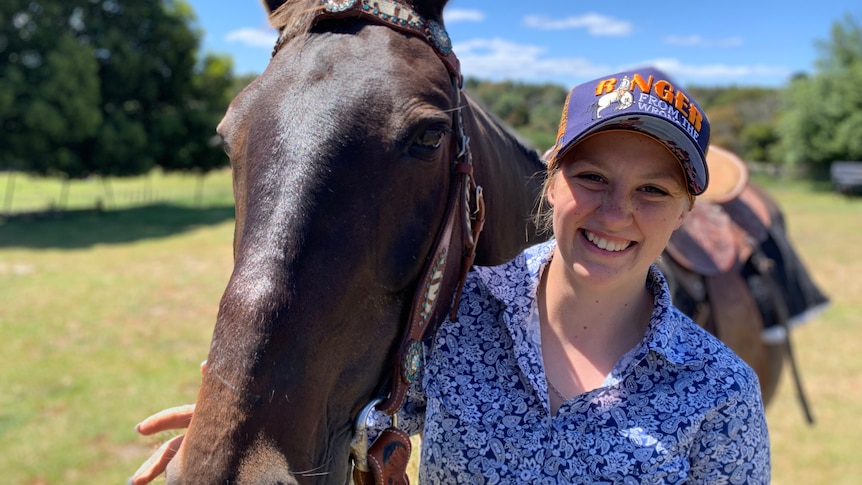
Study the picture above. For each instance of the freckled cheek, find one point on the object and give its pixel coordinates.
(567, 217)
(654, 216)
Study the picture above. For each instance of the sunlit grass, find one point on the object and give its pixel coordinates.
(105, 318)
(20, 192)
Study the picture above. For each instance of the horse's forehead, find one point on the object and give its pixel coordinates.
(369, 67)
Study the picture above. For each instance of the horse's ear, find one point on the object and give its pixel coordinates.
(432, 9)
(271, 5)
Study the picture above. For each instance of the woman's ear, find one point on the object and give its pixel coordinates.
(551, 189)
(682, 216)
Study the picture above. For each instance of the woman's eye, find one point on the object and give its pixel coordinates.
(591, 177)
(654, 190)
(430, 139)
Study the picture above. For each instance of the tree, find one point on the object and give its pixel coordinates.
(50, 88)
(106, 87)
(740, 119)
(823, 113)
(532, 110)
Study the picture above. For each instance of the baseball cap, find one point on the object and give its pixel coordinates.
(645, 100)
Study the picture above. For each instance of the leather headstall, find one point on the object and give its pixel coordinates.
(447, 264)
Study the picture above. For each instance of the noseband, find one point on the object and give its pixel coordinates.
(445, 270)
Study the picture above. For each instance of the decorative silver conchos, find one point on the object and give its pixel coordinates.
(432, 288)
(338, 6)
(440, 36)
(411, 366)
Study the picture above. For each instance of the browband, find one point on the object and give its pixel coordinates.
(399, 16)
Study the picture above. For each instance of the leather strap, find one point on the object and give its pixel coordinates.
(424, 316)
(387, 460)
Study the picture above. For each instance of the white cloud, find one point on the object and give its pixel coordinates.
(698, 41)
(253, 37)
(594, 23)
(462, 15)
(718, 74)
(499, 59)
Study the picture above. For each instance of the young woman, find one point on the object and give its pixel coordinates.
(569, 364)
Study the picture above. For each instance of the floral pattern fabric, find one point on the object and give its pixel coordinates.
(680, 407)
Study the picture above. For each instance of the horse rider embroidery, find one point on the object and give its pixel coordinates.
(622, 96)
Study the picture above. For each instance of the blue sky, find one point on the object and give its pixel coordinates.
(703, 43)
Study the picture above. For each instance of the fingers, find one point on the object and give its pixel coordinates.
(157, 463)
(177, 417)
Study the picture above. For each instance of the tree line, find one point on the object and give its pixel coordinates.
(108, 87)
(119, 87)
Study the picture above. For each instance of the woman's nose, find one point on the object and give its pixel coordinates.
(615, 210)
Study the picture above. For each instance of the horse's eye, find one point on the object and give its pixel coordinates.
(430, 139)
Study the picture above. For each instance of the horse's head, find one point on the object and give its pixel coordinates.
(342, 155)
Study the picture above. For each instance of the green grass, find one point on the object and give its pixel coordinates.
(22, 193)
(105, 316)
(826, 230)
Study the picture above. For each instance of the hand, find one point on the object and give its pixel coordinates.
(173, 418)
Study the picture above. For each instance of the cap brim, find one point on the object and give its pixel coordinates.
(689, 154)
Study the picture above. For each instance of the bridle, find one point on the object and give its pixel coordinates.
(448, 262)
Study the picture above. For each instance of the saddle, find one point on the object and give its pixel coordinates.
(726, 226)
(738, 272)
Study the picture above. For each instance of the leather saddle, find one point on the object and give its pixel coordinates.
(726, 226)
(732, 269)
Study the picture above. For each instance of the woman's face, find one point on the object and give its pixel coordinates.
(616, 200)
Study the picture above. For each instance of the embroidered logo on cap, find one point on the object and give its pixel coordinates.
(658, 97)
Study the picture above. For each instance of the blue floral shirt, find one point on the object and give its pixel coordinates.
(680, 407)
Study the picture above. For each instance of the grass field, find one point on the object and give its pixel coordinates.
(105, 317)
(21, 193)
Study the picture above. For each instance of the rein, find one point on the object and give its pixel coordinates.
(446, 268)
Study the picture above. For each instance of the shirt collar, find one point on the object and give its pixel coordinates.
(664, 335)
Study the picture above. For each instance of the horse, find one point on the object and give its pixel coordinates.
(363, 177)
(356, 210)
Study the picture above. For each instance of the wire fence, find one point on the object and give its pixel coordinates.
(22, 194)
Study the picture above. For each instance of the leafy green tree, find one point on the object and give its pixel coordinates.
(50, 88)
(822, 122)
(735, 111)
(532, 110)
(759, 142)
(107, 87)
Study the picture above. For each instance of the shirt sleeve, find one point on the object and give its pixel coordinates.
(733, 444)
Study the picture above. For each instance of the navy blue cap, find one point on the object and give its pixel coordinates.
(645, 100)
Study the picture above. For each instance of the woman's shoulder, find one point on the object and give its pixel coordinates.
(688, 345)
(515, 277)
(703, 353)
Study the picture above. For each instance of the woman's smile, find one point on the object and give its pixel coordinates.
(606, 244)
